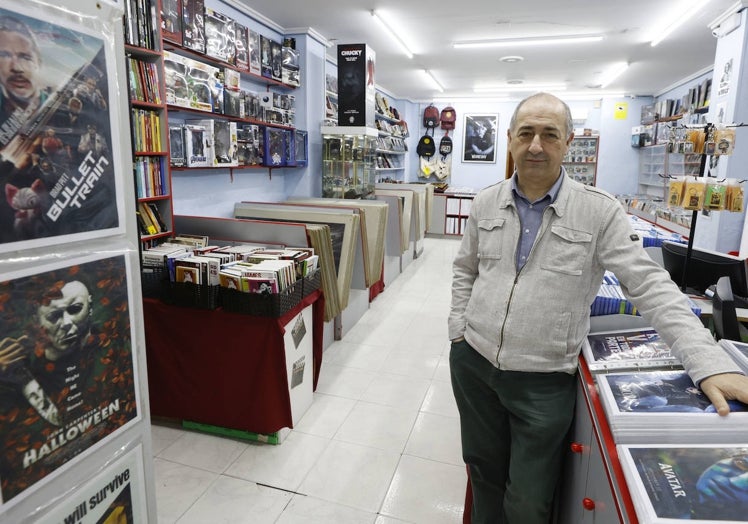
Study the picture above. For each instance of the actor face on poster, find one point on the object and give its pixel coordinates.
(66, 369)
(53, 92)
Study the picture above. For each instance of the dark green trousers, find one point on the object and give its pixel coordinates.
(513, 426)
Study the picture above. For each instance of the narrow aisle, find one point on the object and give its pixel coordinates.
(379, 445)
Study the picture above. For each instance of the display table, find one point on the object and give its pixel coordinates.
(224, 369)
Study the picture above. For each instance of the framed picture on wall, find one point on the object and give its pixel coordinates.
(479, 137)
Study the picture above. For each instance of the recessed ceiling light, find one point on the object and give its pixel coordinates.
(515, 81)
(511, 59)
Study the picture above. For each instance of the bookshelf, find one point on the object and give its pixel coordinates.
(197, 105)
(144, 61)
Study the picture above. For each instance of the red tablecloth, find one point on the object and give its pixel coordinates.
(220, 368)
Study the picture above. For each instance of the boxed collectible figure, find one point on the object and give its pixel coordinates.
(193, 27)
(171, 21)
(266, 57)
(290, 141)
(252, 105)
(356, 92)
(205, 90)
(253, 43)
(249, 145)
(198, 142)
(233, 103)
(176, 146)
(231, 78)
(241, 59)
(276, 58)
(175, 79)
(224, 143)
(300, 148)
(274, 150)
(290, 73)
(219, 36)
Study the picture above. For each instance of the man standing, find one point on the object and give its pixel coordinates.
(531, 261)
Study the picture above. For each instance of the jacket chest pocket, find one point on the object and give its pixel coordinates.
(567, 250)
(490, 237)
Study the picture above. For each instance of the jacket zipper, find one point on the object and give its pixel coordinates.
(514, 285)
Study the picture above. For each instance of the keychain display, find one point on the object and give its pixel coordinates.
(734, 196)
(675, 191)
(693, 194)
(716, 193)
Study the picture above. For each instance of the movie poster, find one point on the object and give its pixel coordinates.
(57, 131)
(660, 392)
(67, 373)
(690, 483)
(116, 495)
(479, 136)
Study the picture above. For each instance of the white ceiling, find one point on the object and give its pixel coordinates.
(430, 27)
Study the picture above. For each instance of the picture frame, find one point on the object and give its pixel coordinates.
(75, 395)
(61, 156)
(479, 138)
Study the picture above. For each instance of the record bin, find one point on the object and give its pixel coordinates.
(270, 305)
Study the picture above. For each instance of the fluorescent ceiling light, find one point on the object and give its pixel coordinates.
(614, 72)
(533, 40)
(433, 80)
(679, 17)
(519, 87)
(392, 34)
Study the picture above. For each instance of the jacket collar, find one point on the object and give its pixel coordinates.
(506, 198)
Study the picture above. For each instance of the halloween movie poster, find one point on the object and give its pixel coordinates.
(67, 372)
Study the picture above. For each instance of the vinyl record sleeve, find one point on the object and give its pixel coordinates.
(697, 483)
(627, 349)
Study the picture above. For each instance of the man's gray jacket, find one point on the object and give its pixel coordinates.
(536, 319)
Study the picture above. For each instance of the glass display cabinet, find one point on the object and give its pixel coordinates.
(348, 162)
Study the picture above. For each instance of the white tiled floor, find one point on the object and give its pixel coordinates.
(379, 445)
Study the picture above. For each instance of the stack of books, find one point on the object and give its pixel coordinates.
(610, 300)
(660, 406)
(697, 483)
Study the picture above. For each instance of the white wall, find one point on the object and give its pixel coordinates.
(618, 162)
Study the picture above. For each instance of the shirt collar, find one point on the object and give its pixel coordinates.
(552, 192)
